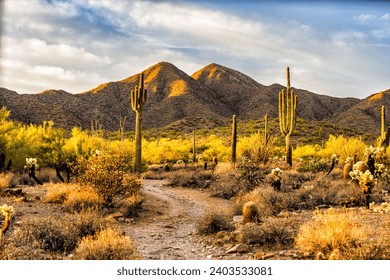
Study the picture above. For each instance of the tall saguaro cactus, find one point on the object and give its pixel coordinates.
(266, 132)
(384, 139)
(138, 98)
(234, 139)
(287, 116)
(193, 147)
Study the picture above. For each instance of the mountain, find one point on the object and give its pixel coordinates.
(206, 99)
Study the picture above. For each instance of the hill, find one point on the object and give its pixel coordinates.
(206, 99)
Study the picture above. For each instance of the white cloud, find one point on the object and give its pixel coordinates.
(79, 44)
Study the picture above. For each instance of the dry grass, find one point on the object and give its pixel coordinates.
(267, 201)
(58, 193)
(225, 186)
(132, 205)
(75, 198)
(5, 180)
(83, 198)
(55, 236)
(274, 232)
(224, 168)
(107, 244)
(198, 178)
(336, 234)
(213, 222)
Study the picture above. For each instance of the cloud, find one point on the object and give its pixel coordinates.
(76, 45)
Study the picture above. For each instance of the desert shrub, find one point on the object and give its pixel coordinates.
(198, 178)
(313, 164)
(82, 199)
(329, 231)
(249, 172)
(225, 186)
(257, 148)
(268, 201)
(213, 222)
(48, 175)
(226, 183)
(57, 234)
(75, 198)
(107, 244)
(273, 232)
(132, 205)
(294, 180)
(58, 193)
(108, 175)
(5, 180)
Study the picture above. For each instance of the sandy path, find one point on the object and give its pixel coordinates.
(166, 229)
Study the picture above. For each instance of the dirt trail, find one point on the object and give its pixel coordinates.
(166, 228)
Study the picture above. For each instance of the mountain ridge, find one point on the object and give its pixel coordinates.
(208, 97)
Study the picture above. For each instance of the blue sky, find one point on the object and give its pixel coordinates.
(338, 48)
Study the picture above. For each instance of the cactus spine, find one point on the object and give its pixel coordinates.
(138, 99)
(383, 140)
(287, 116)
(234, 139)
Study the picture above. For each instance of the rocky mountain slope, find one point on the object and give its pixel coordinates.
(206, 99)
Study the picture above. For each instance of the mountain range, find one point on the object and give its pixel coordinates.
(206, 99)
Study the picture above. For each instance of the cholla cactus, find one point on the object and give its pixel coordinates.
(366, 181)
(31, 163)
(277, 172)
(276, 184)
(335, 160)
(31, 166)
(7, 212)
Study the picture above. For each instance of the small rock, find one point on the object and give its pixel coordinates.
(121, 219)
(240, 248)
(259, 255)
(269, 256)
(237, 219)
(209, 257)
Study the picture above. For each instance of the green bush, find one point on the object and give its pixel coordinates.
(313, 164)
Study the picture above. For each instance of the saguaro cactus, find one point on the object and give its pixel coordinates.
(384, 139)
(138, 99)
(193, 146)
(287, 116)
(266, 132)
(234, 139)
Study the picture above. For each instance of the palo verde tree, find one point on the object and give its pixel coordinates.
(138, 98)
(287, 116)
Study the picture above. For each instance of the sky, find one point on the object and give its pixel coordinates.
(337, 48)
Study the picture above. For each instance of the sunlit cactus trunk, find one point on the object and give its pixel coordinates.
(138, 99)
(266, 132)
(234, 139)
(383, 140)
(194, 146)
(287, 116)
